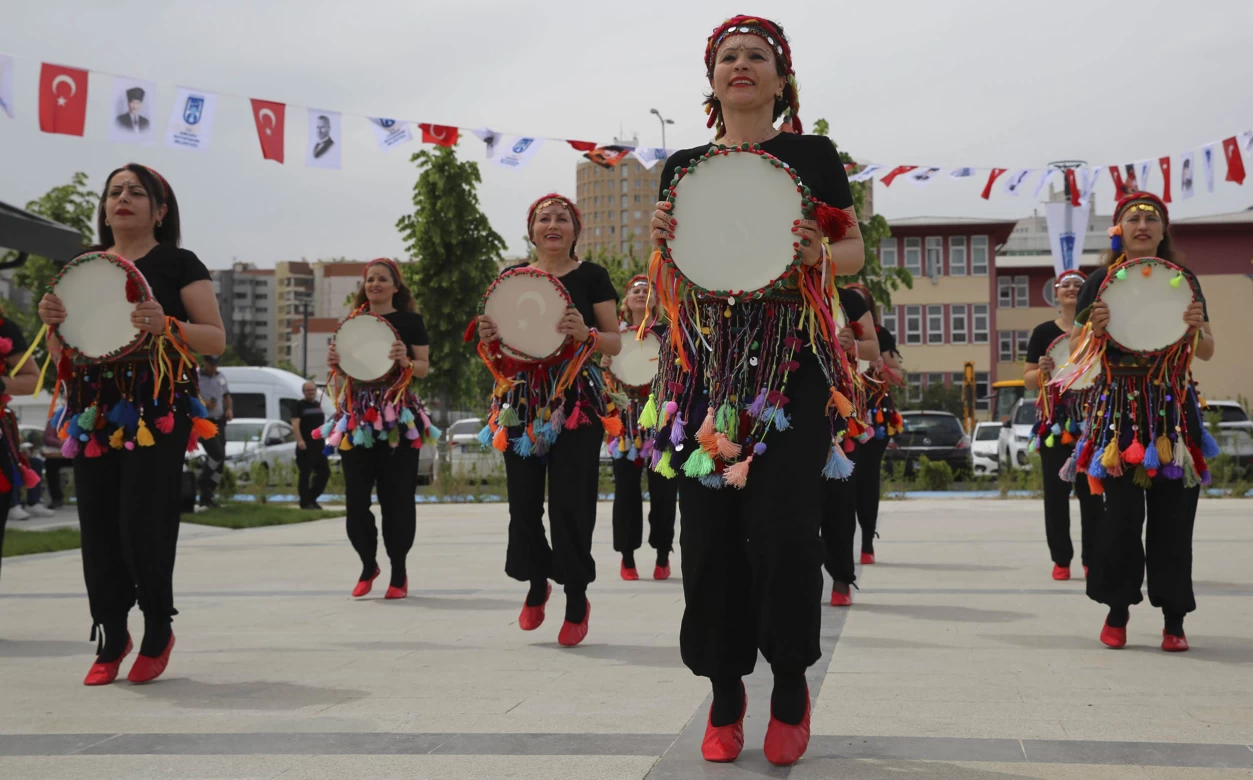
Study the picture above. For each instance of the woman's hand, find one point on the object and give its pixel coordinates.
(1194, 315)
(398, 352)
(846, 338)
(149, 317)
(811, 255)
(572, 325)
(51, 310)
(663, 224)
(605, 361)
(1046, 364)
(332, 356)
(1099, 317)
(487, 330)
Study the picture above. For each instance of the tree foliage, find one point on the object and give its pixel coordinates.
(456, 255)
(880, 281)
(621, 268)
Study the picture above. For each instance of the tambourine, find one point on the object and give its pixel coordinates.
(735, 209)
(1059, 351)
(99, 291)
(527, 304)
(636, 365)
(363, 342)
(1147, 299)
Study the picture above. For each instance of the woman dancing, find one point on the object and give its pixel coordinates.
(20, 379)
(1058, 429)
(1144, 444)
(381, 428)
(630, 452)
(752, 559)
(529, 421)
(127, 424)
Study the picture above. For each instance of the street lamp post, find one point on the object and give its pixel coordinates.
(304, 342)
(664, 122)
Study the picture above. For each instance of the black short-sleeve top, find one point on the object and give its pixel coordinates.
(168, 270)
(410, 326)
(1044, 334)
(853, 303)
(588, 284)
(17, 340)
(887, 342)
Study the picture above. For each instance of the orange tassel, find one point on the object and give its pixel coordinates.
(705, 434)
(204, 428)
(841, 403)
(1094, 486)
(613, 425)
(501, 440)
(1067, 438)
(878, 416)
(737, 475)
(726, 449)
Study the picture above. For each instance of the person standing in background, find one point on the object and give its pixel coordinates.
(54, 461)
(217, 400)
(312, 462)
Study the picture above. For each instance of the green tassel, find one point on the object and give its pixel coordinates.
(648, 416)
(1050, 441)
(727, 421)
(87, 420)
(508, 417)
(699, 465)
(393, 436)
(1176, 281)
(1121, 274)
(1142, 478)
(664, 468)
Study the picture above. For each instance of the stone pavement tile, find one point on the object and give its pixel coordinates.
(825, 769)
(438, 767)
(959, 722)
(1147, 753)
(148, 767)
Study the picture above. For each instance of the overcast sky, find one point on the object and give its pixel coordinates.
(958, 82)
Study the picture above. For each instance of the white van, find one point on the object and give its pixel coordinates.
(264, 392)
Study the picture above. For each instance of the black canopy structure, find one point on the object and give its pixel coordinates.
(31, 234)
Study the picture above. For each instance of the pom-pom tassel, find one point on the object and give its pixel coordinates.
(1134, 454)
(332, 441)
(1067, 438)
(1141, 477)
(508, 418)
(1209, 447)
(648, 415)
(389, 414)
(612, 424)
(1096, 469)
(406, 416)
(664, 468)
(677, 432)
(737, 475)
(699, 464)
(500, 440)
(69, 448)
(838, 465)
(712, 480)
(758, 405)
(1151, 460)
(485, 437)
(781, 421)
(632, 454)
(1190, 476)
(576, 417)
(727, 449)
(841, 403)
(1109, 458)
(94, 448)
(204, 428)
(411, 433)
(165, 423)
(878, 415)
(87, 420)
(29, 478)
(706, 430)
(522, 446)
(1163, 450)
(144, 437)
(655, 459)
(1068, 471)
(1094, 486)
(197, 407)
(849, 444)
(557, 420)
(117, 438)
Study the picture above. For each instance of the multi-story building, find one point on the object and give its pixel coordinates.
(334, 283)
(293, 290)
(245, 296)
(321, 331)
(617, 205)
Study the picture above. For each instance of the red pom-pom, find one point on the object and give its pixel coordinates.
(5, 485)
(470, 330)
(834, 223)
(6, 346)
(165, 423)
(133, 293)
(316, 434)
(29, 477)
(857, 329)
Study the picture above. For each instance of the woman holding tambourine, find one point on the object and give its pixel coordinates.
(1144, 443)
(1057, 430)
(633, 449)
(550, 411)
(380, 424)
(132, 407)
(758, 375)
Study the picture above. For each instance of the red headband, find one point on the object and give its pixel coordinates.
(1147, 198)
(771, 34)
(165, 186)
(384, 261)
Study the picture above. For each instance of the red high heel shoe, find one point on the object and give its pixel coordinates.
(722, 744)
(394, 592)
(785, 744)
(1114, 637)
(867, 559)
(147, 669)
(533, 617)
(628, 573)
(842, 599)
(103, 674)
(661, 572)
(365, 586)
(1061, 572)
(1174, 644)
(573, 633)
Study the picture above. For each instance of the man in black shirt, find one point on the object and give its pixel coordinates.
(309, 457)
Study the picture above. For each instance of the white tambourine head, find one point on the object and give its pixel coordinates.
(97, 314)
(363, 344)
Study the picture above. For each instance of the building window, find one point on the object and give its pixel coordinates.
(914, 383)
(935, 257)
(913, 256)
(598, 231)
(596, 201)
(624, 247)
(624, 215)
(611, 230)
(596, 186)
(1023, 337)
(638, 214)
(935, 379)
(888, 317)
(887, 253)
(625, 229)
(913, 324)
(626, 185)
(982, 400)
(1005, 346)
(1005, 292)
(1022, 292)
(638, 198)
(979, 256)
(979, 323)
(957, 324)
(935, 324)
(957, 256)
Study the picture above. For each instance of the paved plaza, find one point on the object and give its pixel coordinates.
(960, 658)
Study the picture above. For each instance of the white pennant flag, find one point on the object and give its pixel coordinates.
(390, 133)
(6, 85)
(1088, 178)
(1246, 141)
(650, 156)
(1187, 175)
(519, 152)
(490, 138)
(191, 120)
(962, 173)
(1044, 180)
(1143, 169)
(1207, 162)
(866, 173)
(1014, 183)
(1067, 226)
(923, 176)
(325, 138)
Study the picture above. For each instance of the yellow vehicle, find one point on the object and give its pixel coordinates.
(1005, 396)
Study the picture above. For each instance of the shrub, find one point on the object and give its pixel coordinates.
(934, 475)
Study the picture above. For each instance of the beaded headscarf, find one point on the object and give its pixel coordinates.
(772, 35)
(550, 199)
(1145, 201)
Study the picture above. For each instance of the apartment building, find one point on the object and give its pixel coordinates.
(293, 290)
(246, 299)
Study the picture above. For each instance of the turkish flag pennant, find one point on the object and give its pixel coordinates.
(1235, 162)
(439, 134)
(886, 181)
(1120, 189)
(1164, 162)
(1072, 186)
(582, 146)
(992, 177)
(270, 118)
(62, 100)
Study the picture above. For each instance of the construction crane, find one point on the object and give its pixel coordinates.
(968, 397)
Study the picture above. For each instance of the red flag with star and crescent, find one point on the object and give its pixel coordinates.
(1235, 163)
(62, 99)
(442, 135)
(270, 119)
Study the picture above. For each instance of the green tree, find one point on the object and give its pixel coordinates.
(621, 268)
(880, 281)
(457, 254)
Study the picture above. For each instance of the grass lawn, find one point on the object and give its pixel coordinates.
(241, 515)
(18, 542)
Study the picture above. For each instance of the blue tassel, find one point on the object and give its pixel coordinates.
(1115, 244)
(713, 481)
(328, 450)
(197, 408)
(1151, 461)
(880, 432)
(1056, 429)
(406, 416)
(485, 437)
(1209, 447)
(522, 446)
(781, 421)
(633, 454)
(1095, 469)
(74, 431)
(117, 415)
(838, 465)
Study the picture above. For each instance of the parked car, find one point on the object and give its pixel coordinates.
(254, 439)
(1015, 438)
(983, 448)
(937, 435)
(1235, 430)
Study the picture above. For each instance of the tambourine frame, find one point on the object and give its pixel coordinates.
(392, 328)
(1128, 266)
(806, 207)
(504, 348)
(136, 286)
(630, 333)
